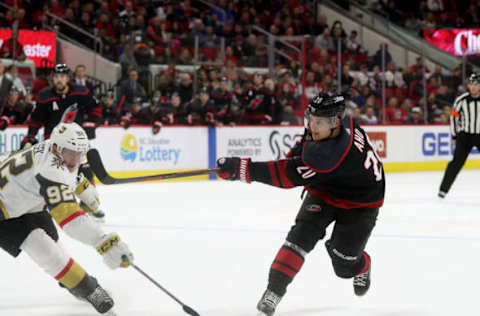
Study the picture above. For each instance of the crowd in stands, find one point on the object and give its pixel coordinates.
(136, 33)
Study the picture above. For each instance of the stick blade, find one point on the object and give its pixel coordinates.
(97, 166)
(190, 311)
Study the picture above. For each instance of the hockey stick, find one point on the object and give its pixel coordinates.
(187, 309)
(99, 169)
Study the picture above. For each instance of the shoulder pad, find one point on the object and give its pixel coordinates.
(53, 170)
(45, 94)
(325, 156)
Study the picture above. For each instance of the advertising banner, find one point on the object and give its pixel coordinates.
(458, 42)
(11, 138)
(37, 45)
(258, 143)
(137, 149)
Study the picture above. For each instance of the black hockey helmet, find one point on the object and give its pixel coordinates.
(325, 105)
(474, 78)
(61, 69)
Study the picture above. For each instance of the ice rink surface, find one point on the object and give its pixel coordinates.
(211, 243)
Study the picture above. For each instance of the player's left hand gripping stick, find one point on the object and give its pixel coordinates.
(187, 309)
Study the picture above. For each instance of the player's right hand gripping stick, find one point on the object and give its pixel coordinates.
(234, 168)
(113, 251)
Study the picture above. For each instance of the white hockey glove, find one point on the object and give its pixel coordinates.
(88, 195)
(113, 249)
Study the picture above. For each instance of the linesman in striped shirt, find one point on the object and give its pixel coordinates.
(465, 130)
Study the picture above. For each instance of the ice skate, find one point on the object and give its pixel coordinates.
(100, 300)
(268, 303)
(361, 282)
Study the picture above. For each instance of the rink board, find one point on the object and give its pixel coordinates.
(136, 151)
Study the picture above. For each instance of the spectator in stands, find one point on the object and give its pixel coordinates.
(407, 104)
(377, 58)
(419, 66)
(126, 13)
(127, 58)
(353, 43)
(202, 109)
(144, 57)
(435, 5)
(338, 39)
(369, 116)
(363, 76)
(393, 76)
(129, 91)
(347, 79)
(395, 114)
(185, 88)
(110, 113)
(132, 114)
(155, 33)
(56, 8)
(13, 108)
(324, 41)
(12, 74)
(222, 98)
(22, 22)
(165, 85)
(357, 114)
(437, 74)
(361, 98)
(80, 77)
(176, 111)
(416, 117)
(311, 87)
(149, 114)
(5, 83)
(443, 97)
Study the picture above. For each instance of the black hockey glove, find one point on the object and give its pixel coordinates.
(89, 128)
(157, 126)
(234, 168)
(4, 122)
(28, 141)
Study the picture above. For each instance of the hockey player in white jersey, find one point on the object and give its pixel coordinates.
(40, 183)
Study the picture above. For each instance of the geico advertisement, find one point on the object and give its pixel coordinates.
(37, 45)
(11, 138)
(440, 144)
(258, 143)
(138, 149)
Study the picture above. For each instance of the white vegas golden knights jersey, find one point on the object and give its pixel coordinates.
(33, 178)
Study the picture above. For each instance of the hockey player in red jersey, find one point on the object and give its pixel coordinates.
(65, 102)
(344, 179)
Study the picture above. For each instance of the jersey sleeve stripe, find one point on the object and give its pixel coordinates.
(282, 170)
(273, 174)
(63, 212)
(71, 218)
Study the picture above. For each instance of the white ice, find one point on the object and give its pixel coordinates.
(211, 244)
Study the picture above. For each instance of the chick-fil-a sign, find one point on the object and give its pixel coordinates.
(37, 45)
(458, 42)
